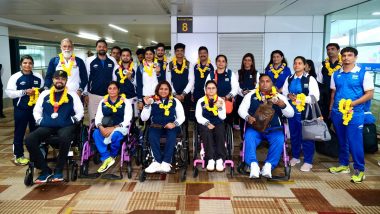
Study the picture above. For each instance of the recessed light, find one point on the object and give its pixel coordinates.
(154, 42)
(88, 36)
(376, 14)
(118, 28)
(139, 46)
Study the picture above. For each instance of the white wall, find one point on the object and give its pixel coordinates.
(294, 35)
(5, 57)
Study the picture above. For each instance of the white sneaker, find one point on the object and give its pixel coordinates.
(255, 170)
(294, 161)
(153, 167)
(211, 165)
(266, 171)
(219, 165)
(165, 167)
(306, 167)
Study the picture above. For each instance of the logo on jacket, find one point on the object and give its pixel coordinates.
(35, 81)
(110, 65)
(22, 83)
(96, 65)
(355, 76)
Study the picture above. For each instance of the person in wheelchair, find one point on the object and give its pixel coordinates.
(112, 120)
(166, 116)
(57, 111)
(262, 109)
(210, 113)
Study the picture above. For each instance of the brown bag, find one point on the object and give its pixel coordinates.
(263, 116)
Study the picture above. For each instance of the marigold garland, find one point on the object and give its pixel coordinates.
(202, 71)
(121, 74)
(167, 106)
(165, 62)
(213, 109)
(268, 96)
(346, 110)
(64, 98)
(175, 65)
(149, 68)
(117, 105)
(63, 63)
(337, 67)
(277, 72)
(33, 98)
(300, 102)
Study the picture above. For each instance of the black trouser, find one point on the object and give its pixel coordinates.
(214, 138)
(23, 118)
(324, 103)
(33, 141)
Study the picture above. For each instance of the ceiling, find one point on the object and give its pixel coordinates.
(146, 20)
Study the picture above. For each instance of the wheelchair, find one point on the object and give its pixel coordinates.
(180, 158)
(71, 164)
(199, 151)
(243, 168)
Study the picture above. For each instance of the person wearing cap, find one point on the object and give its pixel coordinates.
(23, 89)
(73, 65)
(57, 111)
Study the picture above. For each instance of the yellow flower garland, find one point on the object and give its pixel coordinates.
(33, 98)
(64, 98)
(117, 105)
(149, 68)
(165, 62)
(346, 110)
(214, 109)
(166, 107)
(268, 96)
(337, 67)
(175, 65)
(300, 102)
(277, 72)
(63, 63)
(202, 71)
(122, 76)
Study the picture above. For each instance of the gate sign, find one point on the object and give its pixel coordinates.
(184, 24)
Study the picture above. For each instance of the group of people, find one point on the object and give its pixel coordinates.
(117, 89)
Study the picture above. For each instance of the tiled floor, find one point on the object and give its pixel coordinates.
(314, 192)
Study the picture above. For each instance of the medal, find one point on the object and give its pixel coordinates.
(125, 72)
(54, 115)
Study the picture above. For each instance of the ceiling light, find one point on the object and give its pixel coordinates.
(139, 46)
(154, 42)
(376, 14)
(88, 36)
(110, 40)
(118, 28)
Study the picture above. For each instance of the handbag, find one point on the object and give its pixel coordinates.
(107, 121)
(263, 116)
(315, 128)
(229, 106)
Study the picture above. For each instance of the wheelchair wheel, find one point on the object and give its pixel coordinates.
(287, 170)
(138, 157)
(28, 180)
(74, 171)
(84, 168)
(96, 158)
(230, 141)
(129, 170)
(195, 172)
(142, 176)
(183, 174)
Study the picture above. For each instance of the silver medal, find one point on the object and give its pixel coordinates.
(125, 72)
(54, 115)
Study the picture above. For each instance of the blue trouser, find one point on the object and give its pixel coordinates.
(154, 141)
(116, 139)
(308, 146)
(253, 138)
(22, 119)
(350, 139)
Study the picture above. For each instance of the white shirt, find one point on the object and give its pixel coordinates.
(127, 113)
(367, 81)
(199, 111)
(313, 87)
(191, 78)
(234, 82)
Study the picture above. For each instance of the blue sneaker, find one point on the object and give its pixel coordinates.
(57, 177)
(43, 178)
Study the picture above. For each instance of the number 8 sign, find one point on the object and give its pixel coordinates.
(184, 24)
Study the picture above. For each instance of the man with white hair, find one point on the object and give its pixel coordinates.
(71, 64)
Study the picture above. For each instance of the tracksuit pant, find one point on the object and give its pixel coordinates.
(154, 141)
(214, 141)
(253, 139)
(115, 144)
(22, 118)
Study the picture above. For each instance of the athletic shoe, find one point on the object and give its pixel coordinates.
(219, 165)
(153, 167)
(306, 167)
(211, 165)
(339, 169)
(43, 178)
(57, 177)
(358, 177)
(22, 161)
(294, 161)
(107, 163)
(266, 171)
(165, 167)
(255, 170)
